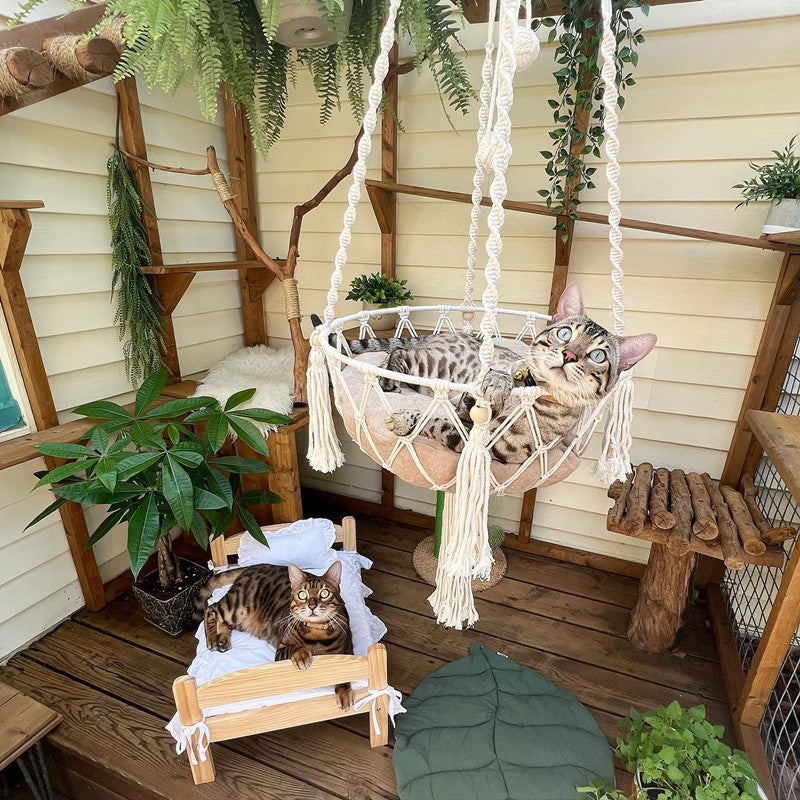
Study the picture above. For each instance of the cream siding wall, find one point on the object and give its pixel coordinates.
(717, 87)
(56, 151)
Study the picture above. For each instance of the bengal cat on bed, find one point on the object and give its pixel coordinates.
(300, 614)
(575, 360)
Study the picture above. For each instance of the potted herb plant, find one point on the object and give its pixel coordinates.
(380, 291)
(677, 754)
(778, 181)
(160, 472)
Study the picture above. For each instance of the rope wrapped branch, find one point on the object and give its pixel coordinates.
(22, 70)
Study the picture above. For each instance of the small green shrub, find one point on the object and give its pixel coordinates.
(779, 180)
(380, 289)
(682, 754)
(496, 537)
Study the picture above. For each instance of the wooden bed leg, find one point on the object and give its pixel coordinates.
(378, 679)
(184, 690)
(349, 533)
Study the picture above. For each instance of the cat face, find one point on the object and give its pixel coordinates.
(315, 599)
(578, 361)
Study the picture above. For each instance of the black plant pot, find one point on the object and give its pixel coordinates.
(171, 610)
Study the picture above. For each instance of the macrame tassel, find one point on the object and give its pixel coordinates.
(324, 452)
(614, 463)
(465, 553)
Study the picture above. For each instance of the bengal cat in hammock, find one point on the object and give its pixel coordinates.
(575, 360)
(300, 614)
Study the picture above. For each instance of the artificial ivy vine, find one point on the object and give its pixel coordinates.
(138, 304)
(580, 93)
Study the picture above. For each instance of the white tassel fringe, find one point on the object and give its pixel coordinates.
(324, 451)
(614, 463)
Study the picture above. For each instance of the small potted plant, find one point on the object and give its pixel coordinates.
(380, 291)
(159, 472)
(779, 182)
(677, 754)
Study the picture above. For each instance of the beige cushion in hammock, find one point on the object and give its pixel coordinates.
(438, 461)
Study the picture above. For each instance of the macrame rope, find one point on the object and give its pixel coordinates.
(291, 298)
(221, 185)
(9, 85)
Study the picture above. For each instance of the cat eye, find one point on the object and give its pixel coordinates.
(598, 356)
(325, 593)
(564, 334)
(302, 595)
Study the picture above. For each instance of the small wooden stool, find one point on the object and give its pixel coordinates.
(23, 724)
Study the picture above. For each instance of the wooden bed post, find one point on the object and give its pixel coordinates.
(378, 679)
(349, 533)
(184, 689)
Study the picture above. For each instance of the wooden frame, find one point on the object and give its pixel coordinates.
(279, 678)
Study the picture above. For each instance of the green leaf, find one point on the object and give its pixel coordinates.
(65, 471)
(263, 415)
(106, 473)
(143, 435)
(151, 389)
(66, 450)
(136, 463)
(143, 531)
(241, 465)
(217, 431)
(220, 485)
(178, 492)
(186, 457)
(103, 409)
(54, 506)
(200, 531)
(175, 408)
(250, 524)
(99, 439)
(237, 398)
(104, 527)
(258, 497)
(249, 434)
(205, 500)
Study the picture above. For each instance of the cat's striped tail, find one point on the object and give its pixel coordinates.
(358, 346)
(214, 582)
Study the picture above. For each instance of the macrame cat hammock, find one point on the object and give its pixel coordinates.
(468, 477)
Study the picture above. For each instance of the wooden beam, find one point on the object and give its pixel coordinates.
(585, 216)
(172, 288)
(33, 35)
(130, 118)
(15, 227)
(242, 182)
(478, 10)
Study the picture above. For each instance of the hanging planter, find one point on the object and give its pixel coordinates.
(309, 25)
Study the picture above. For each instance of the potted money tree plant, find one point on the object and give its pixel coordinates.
(158, 470)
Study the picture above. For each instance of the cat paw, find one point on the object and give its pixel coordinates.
(496, 389)
(401, 423)
(345, 697)
(302, 658)
(223, 644)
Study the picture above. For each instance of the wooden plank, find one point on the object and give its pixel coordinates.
(24, 722)
(208, 266)
(130, 120)
(478, 11)
(585, 216)
(772, 648)
(242, 183)
(26, 204)
(129, 742)
(728, 651)
(779, 435)
(790, 237)
(284, 479)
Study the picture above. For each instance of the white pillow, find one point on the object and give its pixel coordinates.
(306, 543)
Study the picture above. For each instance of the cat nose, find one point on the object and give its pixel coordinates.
(569, 357)
(312, 603)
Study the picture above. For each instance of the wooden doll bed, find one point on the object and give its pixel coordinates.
(274, 679)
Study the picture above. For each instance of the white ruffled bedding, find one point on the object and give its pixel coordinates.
(297, 543)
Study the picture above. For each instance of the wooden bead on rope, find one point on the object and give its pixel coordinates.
(479, 415)
(81, 60)
(22, 70)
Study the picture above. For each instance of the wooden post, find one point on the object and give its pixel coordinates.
(130, 119)
(284, 479)
(184, 690)
(389, 229)
(378, 679)
(349, 533)
(775, 641)
(14, 232)
(240, 167)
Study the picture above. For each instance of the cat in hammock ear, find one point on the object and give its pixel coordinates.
(570, 304)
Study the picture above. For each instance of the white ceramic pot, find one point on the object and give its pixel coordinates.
(783, 216)
(380, 322)
(305, 25)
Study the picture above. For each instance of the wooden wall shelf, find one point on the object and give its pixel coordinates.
(792, 237)
(779, 436)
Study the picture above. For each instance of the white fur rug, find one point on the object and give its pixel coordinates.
(268, 370)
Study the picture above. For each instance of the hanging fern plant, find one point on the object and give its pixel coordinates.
(138, 305)
(212, 42)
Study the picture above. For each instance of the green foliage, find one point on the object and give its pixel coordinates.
(156, 473)
(496, 536)
(379, 289)
(138, 304)
(580, 93)
(681, 755)
(779, 180)
(211, 42)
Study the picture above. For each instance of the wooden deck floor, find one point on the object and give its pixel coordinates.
(110, 673)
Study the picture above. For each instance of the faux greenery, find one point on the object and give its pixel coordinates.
(680, 755)
(496, 537)
(211, 42)
(580, 92)
(156, 473)
(138, 304)
(379, 289)
(779, 180)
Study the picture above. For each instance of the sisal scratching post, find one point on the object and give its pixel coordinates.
(22, 70)
(79, 59)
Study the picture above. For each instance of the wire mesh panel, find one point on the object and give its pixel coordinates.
(749, 594)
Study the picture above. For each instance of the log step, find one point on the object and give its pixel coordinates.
(688, 512)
